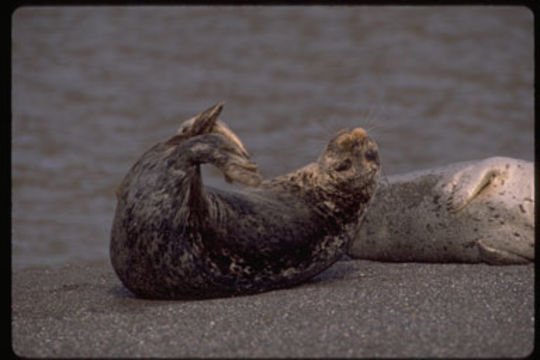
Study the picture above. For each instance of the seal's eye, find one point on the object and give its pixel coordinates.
(371, 155)
(344, 165)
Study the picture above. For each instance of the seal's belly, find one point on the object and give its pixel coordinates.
(250, 222)
(268, 234)
(244, 243)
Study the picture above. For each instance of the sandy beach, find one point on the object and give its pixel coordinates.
(354, 309)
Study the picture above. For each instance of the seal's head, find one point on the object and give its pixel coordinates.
(350, 160)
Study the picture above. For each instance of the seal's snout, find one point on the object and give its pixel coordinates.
(358, 133)
(351, 149)
(370, 151)
(352, 138)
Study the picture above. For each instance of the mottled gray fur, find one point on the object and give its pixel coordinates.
(474, 211)
(173, 237)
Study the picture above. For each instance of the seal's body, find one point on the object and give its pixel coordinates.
(474, 211)
(173, 237)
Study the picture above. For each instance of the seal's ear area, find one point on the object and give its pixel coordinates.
(468, 184)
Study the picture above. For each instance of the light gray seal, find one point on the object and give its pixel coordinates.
(474, 211)
(173, 237)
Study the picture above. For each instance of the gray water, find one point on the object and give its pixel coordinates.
(94, 87)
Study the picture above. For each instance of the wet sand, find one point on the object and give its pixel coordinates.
(354, 309)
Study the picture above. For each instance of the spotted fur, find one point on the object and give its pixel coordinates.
(475, 211)
(174, 237)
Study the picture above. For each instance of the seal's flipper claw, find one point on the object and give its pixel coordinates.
(467, 184)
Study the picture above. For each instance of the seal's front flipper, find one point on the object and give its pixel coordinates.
(205, 139)
(220, 151)
(233, 161)
(245, 172)
(467, 184)
(207, 122)
(495, 256)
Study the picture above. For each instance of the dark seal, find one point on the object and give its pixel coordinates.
(174, 238)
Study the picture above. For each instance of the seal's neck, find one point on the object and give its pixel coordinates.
(315, 188)
(297, 183)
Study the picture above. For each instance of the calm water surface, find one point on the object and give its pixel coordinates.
(94, 87)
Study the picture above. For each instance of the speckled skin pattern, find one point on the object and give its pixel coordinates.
(174, 238)
(475, 211)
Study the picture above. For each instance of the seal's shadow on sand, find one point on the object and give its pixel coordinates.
(120, 291)
(341, 270)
